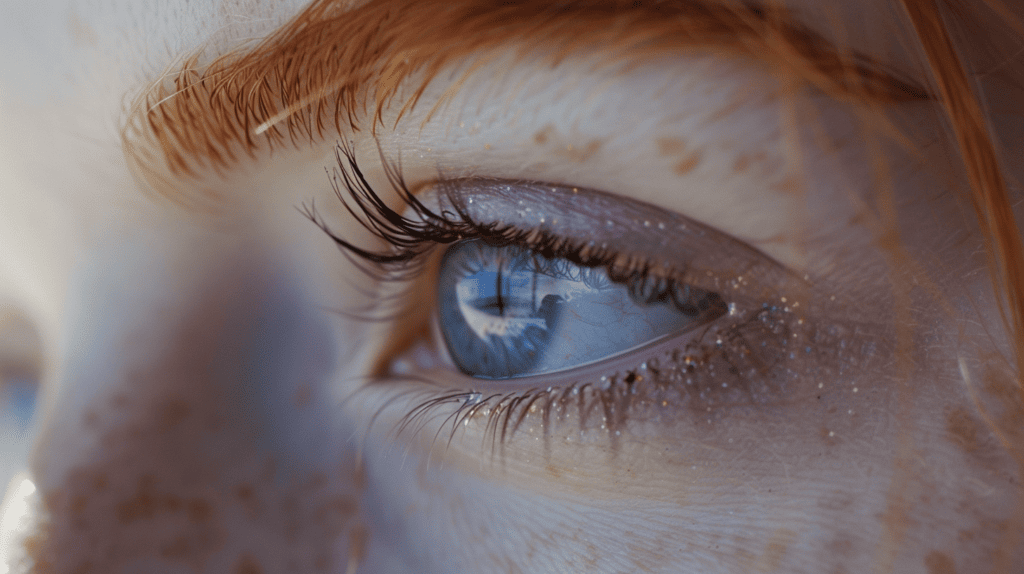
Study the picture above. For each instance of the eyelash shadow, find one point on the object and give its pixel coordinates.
(714, 368)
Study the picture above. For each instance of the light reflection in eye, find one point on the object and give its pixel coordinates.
(508, 312)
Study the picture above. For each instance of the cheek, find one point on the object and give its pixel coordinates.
(192, 425)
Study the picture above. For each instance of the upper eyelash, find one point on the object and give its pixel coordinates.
(411, 237)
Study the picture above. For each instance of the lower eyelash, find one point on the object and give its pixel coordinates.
(767, 357)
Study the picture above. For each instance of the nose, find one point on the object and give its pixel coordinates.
(190, 426)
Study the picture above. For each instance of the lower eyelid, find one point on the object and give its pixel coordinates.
(777, 358)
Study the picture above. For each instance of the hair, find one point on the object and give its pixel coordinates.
(993, 205)
(333, 64)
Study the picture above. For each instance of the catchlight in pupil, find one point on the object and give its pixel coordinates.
(508, 312)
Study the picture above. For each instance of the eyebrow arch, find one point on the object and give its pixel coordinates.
(332, 64)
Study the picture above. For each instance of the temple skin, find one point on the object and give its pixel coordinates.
(204, 403)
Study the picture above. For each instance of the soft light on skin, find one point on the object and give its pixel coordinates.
(200, 409)
(15, 519)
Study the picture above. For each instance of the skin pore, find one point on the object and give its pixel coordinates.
(216, 399)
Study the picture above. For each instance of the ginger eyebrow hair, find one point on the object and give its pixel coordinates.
(333, 66)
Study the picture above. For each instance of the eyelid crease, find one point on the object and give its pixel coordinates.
(319, 73)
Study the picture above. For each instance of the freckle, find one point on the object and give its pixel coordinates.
(487, 146)
(173, 412)
(543, 135)
(199, 510)
(687, 164)
(790, 185)
(78, 505)
(938, 563)
(247, 497)
(742, 163)
(247, 565)
(34, 545)
(581, 154)
(670, 146)
(177, 548)
(81, 32)
(774, 553)
(143, 505)
(171, 503)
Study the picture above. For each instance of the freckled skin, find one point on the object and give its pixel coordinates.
(206, 406)
(190, 461)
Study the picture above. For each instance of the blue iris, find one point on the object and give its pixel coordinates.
(509, 312)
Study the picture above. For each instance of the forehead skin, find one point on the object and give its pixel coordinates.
(67, 191)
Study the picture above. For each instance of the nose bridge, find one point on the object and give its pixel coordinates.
(191, 427)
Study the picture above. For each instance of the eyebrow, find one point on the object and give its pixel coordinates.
(333, 66)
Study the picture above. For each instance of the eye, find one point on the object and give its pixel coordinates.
(565, 288)
(507, 311)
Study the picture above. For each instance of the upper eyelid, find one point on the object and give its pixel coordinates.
(636, 229)
(632, 237)
(297, 87)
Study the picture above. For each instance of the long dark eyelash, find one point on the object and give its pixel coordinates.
(410, 237)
